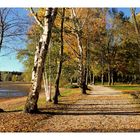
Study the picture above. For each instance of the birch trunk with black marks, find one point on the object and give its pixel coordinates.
(39, 60)
(47, 79)
(57, 91)
(78, 32)
(82, 78)
(46, 87)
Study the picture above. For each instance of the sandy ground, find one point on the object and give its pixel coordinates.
(103, 110)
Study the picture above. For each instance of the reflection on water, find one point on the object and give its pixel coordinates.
(11, 93)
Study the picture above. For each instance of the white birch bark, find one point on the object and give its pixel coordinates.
(78, 32)
(39, 61)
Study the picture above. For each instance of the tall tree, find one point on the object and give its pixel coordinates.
(135, 20)
(57, 91)
(78, 30)
(137, 28)
(40, 57)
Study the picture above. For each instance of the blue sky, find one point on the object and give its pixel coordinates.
(9, 61)
(127, 10)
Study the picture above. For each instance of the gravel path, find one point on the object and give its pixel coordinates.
(104, 110)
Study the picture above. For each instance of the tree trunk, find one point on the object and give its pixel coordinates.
(109, 75)
(57, 91)
(135, 21)
(39, 61)
(86, 64)
(102, 78)
(112, 78)
(82, 72)
(31, 103)
(87, 58)
(93, 79)
(102, 67)
(71, 81)
(47, 87)
(78, 33)
(137, 30)
(47, 79)
(82, 78)
(87, 75)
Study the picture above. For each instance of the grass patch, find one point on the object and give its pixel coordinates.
(20, 107)
(69, 91)
(65, 93)
(71, 86)
(126, 87)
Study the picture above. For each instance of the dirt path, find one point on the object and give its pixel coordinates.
(103, 110)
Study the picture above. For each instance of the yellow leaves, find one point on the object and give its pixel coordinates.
(138, 17)
(34, 32)
(40, 12)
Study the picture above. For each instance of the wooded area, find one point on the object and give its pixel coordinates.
(75, 47)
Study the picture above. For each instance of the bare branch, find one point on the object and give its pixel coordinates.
(36, 18)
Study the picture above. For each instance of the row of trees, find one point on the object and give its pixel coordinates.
(67, 45)
(11, 76)
(83, 43)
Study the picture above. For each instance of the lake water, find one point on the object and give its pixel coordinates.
(6, 93)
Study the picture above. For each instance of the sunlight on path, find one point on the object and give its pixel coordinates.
(101, 90)
(104, 110)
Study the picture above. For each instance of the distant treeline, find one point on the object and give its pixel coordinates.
(11, 76)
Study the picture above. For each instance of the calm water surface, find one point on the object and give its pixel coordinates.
(11, 93)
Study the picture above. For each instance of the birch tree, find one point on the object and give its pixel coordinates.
(47, 78)
(134, 20)
(78, 26)
(40, 57)
(137, 29)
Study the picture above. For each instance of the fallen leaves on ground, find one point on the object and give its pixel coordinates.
(103, 110)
